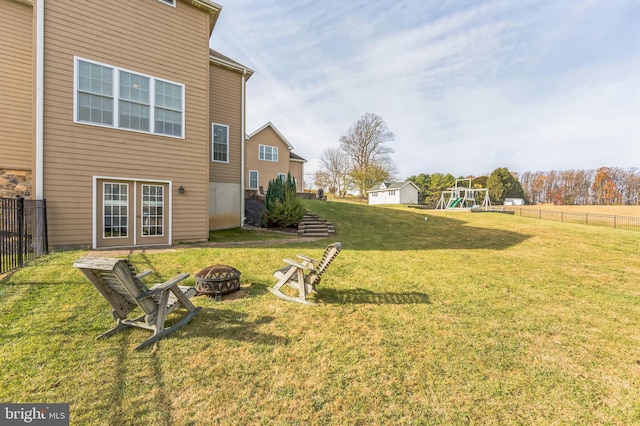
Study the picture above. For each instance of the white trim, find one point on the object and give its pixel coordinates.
(272, 150)
(212, 140)
(135, 181)
(257, 179)
(234, 66)
(39, 118)
(164, 214)
(242, 147)
(169, 2)
(276, 131)
(115, 95)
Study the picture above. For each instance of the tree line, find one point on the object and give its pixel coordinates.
(363, 160)
(604, 186)
(501, 184)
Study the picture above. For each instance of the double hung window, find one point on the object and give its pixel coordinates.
(220, 143)
(268, 153)
(253, 179)
(114, 97)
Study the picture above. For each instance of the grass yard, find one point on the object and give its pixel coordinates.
(425, 317)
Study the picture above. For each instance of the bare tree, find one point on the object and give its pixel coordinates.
(364, 144)
(336, 166)
(321, 179)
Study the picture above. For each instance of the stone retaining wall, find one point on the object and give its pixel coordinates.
(15, 182)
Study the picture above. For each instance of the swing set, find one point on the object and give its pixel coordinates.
(463, 197)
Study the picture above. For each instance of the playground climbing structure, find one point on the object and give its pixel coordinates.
(463, 196)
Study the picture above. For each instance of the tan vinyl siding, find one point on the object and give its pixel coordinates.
(226, 108)
(268, 170)
(296, 170)
(16, 85)
(146, 37)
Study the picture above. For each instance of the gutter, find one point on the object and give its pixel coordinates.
(242, 148)
(39, 142)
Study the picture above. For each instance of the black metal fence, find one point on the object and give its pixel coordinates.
(611, 221)
(23, 231)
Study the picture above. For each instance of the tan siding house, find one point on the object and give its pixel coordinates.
(269, 155)
(16, 89)
(227, 116)
(123, 156)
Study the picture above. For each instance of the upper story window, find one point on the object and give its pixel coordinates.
(113, 97)
(268, 153)
(171, 2)
(220, 143)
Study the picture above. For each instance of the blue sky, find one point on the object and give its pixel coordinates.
(465, 86)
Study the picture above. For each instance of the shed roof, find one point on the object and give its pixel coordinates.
(385, 186)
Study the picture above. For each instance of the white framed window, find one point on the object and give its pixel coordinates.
(112, 97)
(219, 143)
(133, 102)
(268, 153)
(170, 2)
(115, 210)
(392, 192)
(152, 210)
(94, 93)
(253, 179)
(282, 177)
(169, 113)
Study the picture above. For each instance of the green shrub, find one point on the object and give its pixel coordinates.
(283, 208)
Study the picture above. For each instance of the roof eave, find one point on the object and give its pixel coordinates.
(277, 132)
(233, 67)
(212, 8)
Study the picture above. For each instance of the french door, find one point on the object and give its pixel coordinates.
(131, 213)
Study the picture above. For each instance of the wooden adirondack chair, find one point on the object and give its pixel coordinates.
(118, 282)
(303, 275)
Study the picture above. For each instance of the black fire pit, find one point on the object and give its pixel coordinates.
(217, 280)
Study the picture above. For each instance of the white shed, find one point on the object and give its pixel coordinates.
(513, 202)
(394, 193)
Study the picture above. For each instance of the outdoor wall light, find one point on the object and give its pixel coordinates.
(181, 189)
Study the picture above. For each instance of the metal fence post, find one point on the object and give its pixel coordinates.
(20, 225)
(43, 215)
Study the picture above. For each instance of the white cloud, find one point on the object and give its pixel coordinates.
(528, 85)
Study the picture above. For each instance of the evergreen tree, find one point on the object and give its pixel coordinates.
(283, 208)
(502, 184)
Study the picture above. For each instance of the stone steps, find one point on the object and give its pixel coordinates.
(313, 226)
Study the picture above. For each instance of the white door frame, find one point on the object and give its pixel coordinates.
(135, 181)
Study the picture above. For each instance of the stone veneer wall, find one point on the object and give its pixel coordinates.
(15, 182)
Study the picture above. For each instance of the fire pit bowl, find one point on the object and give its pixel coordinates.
(217, 280)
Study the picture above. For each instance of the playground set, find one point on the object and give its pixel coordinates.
(462, 197)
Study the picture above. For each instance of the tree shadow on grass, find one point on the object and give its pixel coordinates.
(360, 296)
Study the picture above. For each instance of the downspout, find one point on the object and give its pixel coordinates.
(242, 147)
(39, 130)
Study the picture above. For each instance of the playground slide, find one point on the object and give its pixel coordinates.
(455, 203)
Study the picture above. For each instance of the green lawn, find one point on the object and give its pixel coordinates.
(424, 318)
